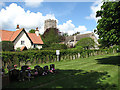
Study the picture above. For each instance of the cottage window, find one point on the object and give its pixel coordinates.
(22, 42)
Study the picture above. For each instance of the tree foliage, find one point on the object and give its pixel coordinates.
(55, 46)
(65, 34)
(108, 27)
(7, 46)
(51, 36)
(32, 31)
(76, 33)
(86, 43)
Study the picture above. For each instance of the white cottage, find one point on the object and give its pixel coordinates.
(22, 39)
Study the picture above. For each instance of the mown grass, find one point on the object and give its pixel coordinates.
(94, 72)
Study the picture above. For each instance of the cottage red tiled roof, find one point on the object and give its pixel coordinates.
(11, 35)
(15, 34)
(6, 35)
(35, 39)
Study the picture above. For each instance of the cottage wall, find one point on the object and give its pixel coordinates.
(22, 37)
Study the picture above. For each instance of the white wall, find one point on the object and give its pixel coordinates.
(22, 36)
(39, 46)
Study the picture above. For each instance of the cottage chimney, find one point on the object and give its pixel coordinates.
(17, 27)
(37, 31)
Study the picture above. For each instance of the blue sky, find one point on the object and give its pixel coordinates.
(76, 16)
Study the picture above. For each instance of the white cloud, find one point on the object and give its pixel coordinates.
(33, 3)
(94, 8)
(81, 29)
(67, 27)
(13, 15)
(70, 28)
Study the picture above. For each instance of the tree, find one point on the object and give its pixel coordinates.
(86, 43)
(7, 46)
(51, 36)
(56, 46)
(108, 27)
(65, 34)
(76, 33)
(32, 31)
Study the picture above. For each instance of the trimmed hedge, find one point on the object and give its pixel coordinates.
(44, 56)
(55, 47)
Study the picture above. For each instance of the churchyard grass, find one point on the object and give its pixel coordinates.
(99, 71)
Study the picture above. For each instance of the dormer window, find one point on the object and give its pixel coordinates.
(22, 42)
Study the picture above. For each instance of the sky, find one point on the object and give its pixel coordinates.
(71, 17)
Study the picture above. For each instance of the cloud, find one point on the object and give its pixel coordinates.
(33, 3)
(94, 8)
(13, 15)
(81, 29)
(67, 27)
(70, 28)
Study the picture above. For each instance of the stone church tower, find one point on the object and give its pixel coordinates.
(50, 23)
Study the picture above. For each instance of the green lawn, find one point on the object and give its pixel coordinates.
(94, 72)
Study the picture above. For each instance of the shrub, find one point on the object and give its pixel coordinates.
(86, 43)
(7, 46)
(18, 49)
(79, 47)
(49, 55)
(56, 46)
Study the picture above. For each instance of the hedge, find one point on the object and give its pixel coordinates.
(44, 56)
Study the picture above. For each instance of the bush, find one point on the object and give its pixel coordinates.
(79, 47)
(7, 46)
(56, 47)
(86, 43)
(33, 49)
(18, 49)
(43, 56)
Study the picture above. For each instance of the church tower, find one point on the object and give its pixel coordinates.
(50, 23)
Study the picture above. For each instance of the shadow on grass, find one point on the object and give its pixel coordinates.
(67, 79)
(114, 60)
(79, 79)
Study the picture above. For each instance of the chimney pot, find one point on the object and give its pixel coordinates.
(37, 29)
(17, 27)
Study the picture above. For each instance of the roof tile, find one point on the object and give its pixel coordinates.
(11, 35)
(35, 39)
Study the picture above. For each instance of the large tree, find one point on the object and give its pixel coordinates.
(108, 27)
(86, 43)
(52, 35)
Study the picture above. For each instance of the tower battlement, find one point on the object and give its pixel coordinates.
(50, 23)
